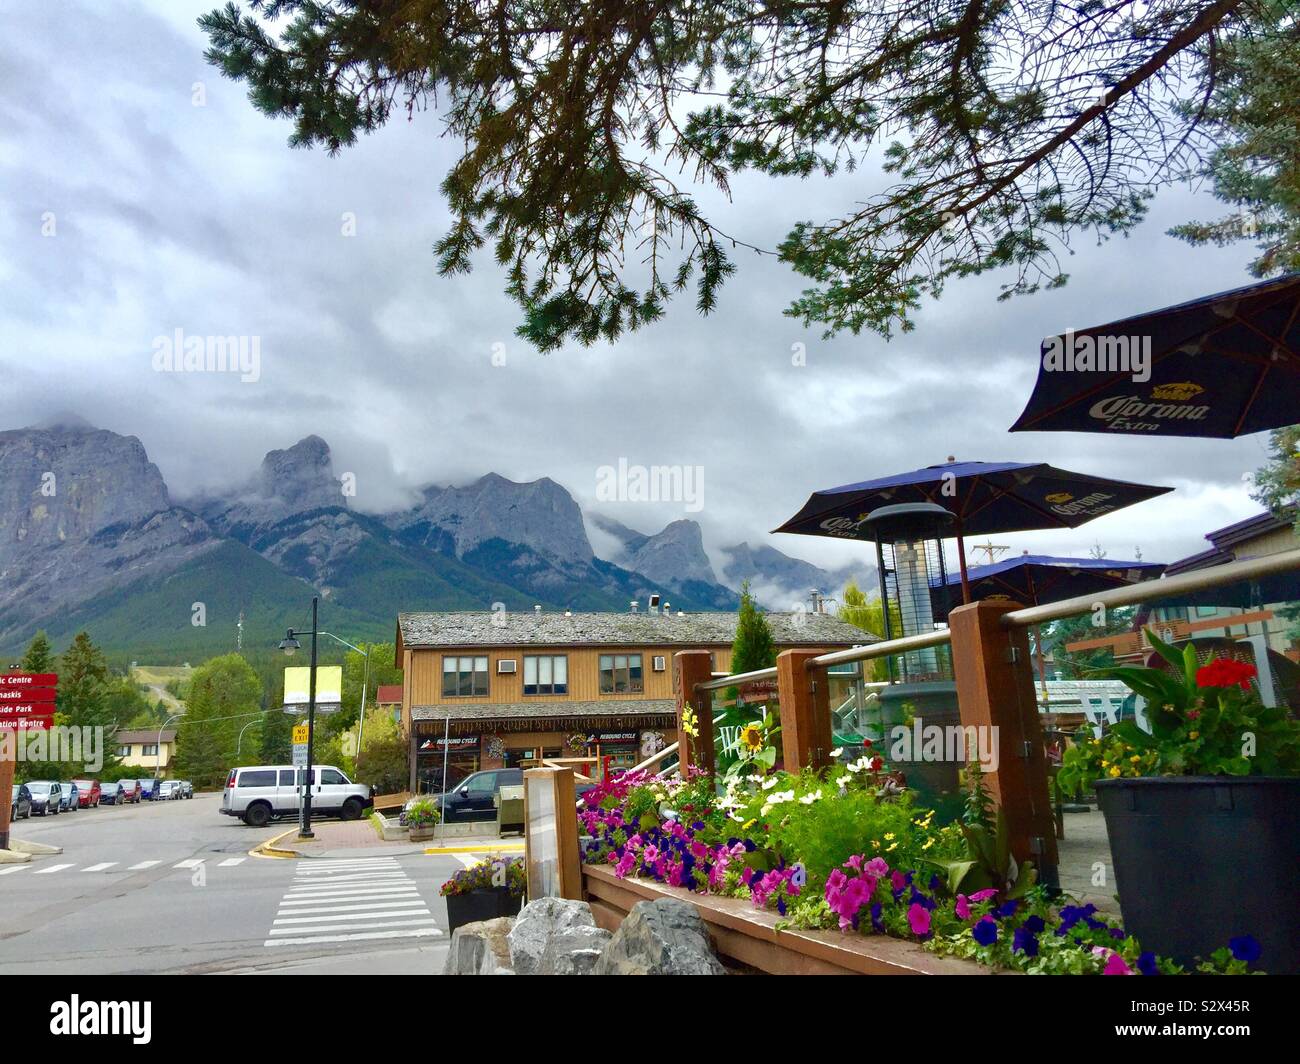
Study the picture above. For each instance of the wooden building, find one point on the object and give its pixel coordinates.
(494, 689)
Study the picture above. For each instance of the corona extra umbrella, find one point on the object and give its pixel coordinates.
(985, 498)
(1220, 366)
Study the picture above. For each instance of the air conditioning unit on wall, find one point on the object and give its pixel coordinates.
(505, 665)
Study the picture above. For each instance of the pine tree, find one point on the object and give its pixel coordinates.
(224, 695)
(83, 685)
(39, 657)
(754, 647)
(277, 739)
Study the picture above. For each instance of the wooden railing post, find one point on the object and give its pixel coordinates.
(694, 667)
(805, 711)
(995, 690)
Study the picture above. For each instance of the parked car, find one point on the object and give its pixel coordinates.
(168, 791)
(46, 795)
(88, 793)
(20, 808)
(69, 799)
(148, 789)
(130, 792)
(260, 793)
(474, 798)
(187, 789)
(110, 792)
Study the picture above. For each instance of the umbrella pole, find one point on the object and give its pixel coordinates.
(1038, 636)
(961, 560)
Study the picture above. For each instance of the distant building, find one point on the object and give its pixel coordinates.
(147, 749)
(493, 690)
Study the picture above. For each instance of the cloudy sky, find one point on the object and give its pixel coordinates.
(140, 194)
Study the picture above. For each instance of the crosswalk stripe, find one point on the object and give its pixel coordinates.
(334, 884)
(12, 869)
(230, 862)
(52, 868)
(336, 863)
(356, 906)
(350, 895)
(333, 868)
(99, 867)
(192, 862)
(416, 922)
(413, 932)
(142, 866)
(347, 918)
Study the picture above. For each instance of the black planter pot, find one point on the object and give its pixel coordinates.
(480, 905)
(1202, 859)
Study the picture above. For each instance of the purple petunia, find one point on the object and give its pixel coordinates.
(985, 931)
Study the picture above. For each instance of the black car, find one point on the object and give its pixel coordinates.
(21, 806)
(110, 792)
(474, 798)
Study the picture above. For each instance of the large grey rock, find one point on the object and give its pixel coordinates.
(555, 936)
(480, 948)
(660, 937)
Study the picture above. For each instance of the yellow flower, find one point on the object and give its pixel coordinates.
(1135, 759)
(928, 843)
(891, 847)
(875, 844)
(1114, 771)
(889, 836)
(751, 738)
(1194, 735)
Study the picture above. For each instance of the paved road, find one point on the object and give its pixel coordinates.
(172, 887)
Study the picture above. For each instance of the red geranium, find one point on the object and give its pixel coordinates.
(1224, 672)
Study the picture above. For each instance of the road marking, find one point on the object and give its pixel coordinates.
(414, 932)
(230, 862)
(52, 868)
(360, 906)
(99, 867)
(422, 920)
(192, 862)
(315, 898)
(142, 866)
(339, 918)
(12, 869)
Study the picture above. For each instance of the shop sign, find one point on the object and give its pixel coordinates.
(455, 742)
(611, 737)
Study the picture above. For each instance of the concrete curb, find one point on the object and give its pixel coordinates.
(37, 848)
(14, 857)
(270, 850)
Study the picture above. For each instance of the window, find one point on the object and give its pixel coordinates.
(546, 675)
(464, 676)
(149, 750)
(620, 674)
(286, 777)
(332, 775)
(257, 778)
(123, 751)
(660, 663)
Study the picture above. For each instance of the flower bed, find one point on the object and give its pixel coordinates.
(848, 851)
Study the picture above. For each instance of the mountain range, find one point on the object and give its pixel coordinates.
(90, 537)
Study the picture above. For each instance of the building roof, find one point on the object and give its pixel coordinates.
(145, 735)
(1226, 539)
(388, 694)
(527, 628)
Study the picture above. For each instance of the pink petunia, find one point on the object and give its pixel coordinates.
(1115, 966)
(918, 919)
(983, 895)
(962, 908)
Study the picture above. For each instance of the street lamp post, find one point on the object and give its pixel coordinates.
(365, 681)
(289, 644)
(239, 743)
(157, 761)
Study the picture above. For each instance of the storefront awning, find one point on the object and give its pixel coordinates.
(543, 716)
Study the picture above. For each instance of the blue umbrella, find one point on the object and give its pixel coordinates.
(1032, 579)
(1220, 366)
(988, 498)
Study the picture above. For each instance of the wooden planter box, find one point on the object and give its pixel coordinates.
(748, 935)
(480, 905)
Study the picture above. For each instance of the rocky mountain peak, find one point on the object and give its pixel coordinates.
(301, 476)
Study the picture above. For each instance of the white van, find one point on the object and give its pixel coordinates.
(261, 793)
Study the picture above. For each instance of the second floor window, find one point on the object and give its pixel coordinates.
(620, 674)
(150, 750)
(546, 674)
(464, 676)
(123, 751)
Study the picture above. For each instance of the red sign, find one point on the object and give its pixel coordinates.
(27, 723)
(758, 691)
(27, 694)
(10, 711)
(29, 679)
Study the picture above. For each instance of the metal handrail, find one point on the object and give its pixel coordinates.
(671, 748)
(1198, 580)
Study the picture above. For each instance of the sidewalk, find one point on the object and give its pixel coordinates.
(359, 838)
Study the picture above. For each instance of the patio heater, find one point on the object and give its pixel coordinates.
(909, 554)
(910, 560)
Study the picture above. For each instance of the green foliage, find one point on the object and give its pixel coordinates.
(224, 695)
(422, 814)
(276, 740)
(1255, 166)
(1077, 665)
(39, 657)
(869, 615)
(1005, 130)
(753, 647)
(382, 762)
(1197, 728)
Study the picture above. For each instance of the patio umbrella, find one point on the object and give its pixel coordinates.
(986, 498)
(1220, 366)
(1033, 579)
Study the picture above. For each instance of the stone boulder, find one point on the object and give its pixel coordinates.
(660, 937)
(555, 936)
(480, 948)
